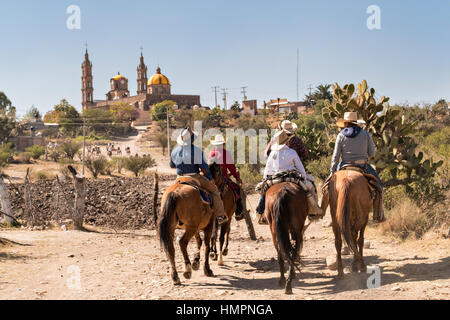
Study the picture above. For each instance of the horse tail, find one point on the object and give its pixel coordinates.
(343, 215)
(167, 216)
(281, 218)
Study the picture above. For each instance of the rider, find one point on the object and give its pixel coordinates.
(294, 141)
(355, 145)
(190, 161)
(223, 157)
(283, 158)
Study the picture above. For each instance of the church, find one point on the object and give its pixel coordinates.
(149, 91)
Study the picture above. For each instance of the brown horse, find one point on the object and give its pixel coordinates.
(229, 204)
(183, 208)
(286, 212)
(350, 203)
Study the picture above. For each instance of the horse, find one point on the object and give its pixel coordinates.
(229, 204)
(286, 212)
(350, 202)
(182, 207)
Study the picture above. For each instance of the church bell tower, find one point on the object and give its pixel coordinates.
(142, 77)
(87, 88)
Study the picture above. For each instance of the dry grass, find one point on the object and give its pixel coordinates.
(405, 220)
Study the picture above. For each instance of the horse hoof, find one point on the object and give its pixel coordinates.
(355, 268)
(288, 291)
(187, 275)
(177, 282)
(213, 256)
(225, 252)
(220, 262)
(195, 265)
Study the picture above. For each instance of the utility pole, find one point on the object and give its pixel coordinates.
(244, 89)
(84, 142)
(224, 92)
(310, 91)
(168, 132)
(215, 94)
(298, 66)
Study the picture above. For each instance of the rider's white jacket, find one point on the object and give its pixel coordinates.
(284, 159)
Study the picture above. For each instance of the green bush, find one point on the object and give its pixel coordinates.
(36, 151)
(319, 168)
(42, 175)
(24, 157)
(96, 165)
(138, 165)
(70, 148)
(6, 154)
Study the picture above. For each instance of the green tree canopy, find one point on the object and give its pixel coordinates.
(65, 115)
(7, 116)
(159, 110)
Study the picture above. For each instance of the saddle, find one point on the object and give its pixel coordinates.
(205, 196)
(280, 177)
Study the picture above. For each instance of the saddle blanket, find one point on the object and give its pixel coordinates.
(206, 197)
(283, 176)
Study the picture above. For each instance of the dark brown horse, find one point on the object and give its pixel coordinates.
(229, 204)
(350, 203)
(183, 208)
(286, 212)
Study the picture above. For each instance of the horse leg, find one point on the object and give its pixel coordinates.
(362, 266)
(282, 281)
(208, 231)
(183, 246)
(338, 245)
(223, 232)
(227, 237)
(196, 263)
(171, 257)
(356, 256)
(213, 254)
(288, 289)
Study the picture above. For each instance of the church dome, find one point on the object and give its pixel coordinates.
(118, 77)
(158, 78)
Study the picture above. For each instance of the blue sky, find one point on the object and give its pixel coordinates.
(200, 44)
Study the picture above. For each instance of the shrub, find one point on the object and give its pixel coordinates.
(118, 162)
(42, 175)
(319, 168)
(36, 151)
(55, 155)
(70, 148)
(138, 165)
(96, 165)
(6, 154)
(24, 157)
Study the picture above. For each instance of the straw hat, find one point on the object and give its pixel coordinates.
(349, 117)
(288, 126)
(218, 140)
(279, 140)
(186, 137)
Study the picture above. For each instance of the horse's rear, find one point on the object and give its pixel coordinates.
(286, 212)
(350, 203)
(182, 207)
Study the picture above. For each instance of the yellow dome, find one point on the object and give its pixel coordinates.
(118, 77)
(158, 78)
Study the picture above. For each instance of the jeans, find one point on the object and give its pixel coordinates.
(367, 168)
(261, 205)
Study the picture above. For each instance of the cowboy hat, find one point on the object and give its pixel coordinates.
(349, 117)
(279, 140)
(288, 126)
(218, 140)
(186, 137)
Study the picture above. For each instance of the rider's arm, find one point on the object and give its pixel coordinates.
(336, 154)
(204, 166)
(268, 170)
(229, 164)
(298, 164)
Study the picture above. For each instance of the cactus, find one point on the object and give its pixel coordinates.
(396, 149)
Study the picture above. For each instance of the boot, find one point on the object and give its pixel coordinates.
(314, 211)
(378, 211)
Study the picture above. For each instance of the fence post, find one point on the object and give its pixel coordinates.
(79, 182)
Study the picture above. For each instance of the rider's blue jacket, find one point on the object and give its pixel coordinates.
(189, 159)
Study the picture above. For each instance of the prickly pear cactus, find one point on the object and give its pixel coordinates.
(396, 149)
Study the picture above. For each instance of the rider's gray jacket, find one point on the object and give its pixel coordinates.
(352, 144)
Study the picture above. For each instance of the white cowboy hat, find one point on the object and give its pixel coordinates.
(186, 137)
(349, 117)
(279, 140)
(288, 126)
(218, 140)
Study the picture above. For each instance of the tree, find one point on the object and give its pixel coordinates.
(32, 114)
(235, 106)
(138, 165)
(96, 165)
(7, 117)
(65, 115)
(99, 120)
(70, 148)
(392, 133)
(159, 110)
(123, 112)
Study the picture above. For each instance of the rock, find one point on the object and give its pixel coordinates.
(396, 288)
(63, 228)
(367, 244)
(331, 262)
(71, 256)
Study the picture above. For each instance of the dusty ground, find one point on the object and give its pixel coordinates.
(130, 265)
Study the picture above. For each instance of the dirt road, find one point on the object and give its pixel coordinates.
(130, 265)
